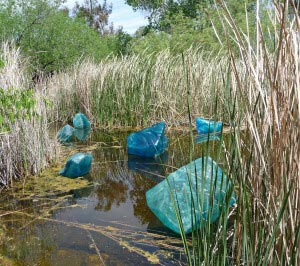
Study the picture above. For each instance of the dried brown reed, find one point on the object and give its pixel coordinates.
(267, 230)
(137, 91)
(27, 148)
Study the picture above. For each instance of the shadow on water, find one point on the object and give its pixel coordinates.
(105, 223)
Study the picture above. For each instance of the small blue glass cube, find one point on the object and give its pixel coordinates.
(65, 134)
(204, 126)
(77, 165)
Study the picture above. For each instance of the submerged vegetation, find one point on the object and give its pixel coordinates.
(254, 89)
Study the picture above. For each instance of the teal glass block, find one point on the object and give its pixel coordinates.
(77, 165)
(65, 134)
(82, 134)
(204, 126)
(201, 138)
(80, 121)
(149, 142)
(199, 189)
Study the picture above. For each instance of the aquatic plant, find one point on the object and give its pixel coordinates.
(261, 90)
(138, 91)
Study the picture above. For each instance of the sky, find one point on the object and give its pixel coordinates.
(122, 15)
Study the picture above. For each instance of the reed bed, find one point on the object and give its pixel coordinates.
(26, 148)
(264, 159)
(138, 91)
(271, 168)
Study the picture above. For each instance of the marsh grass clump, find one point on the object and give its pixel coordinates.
(137, 90)
(263, 159)
(270, 169)
(25, 145)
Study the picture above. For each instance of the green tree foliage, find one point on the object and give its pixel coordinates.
(146, 4)
(152, 42)
(185, 23)
(48, 35)
(15, 104)
(122, 42)
(96, 17)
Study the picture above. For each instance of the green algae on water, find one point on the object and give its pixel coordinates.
(49, 183)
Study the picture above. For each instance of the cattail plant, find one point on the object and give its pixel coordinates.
(136, 90)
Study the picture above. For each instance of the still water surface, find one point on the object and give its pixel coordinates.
(106, 223)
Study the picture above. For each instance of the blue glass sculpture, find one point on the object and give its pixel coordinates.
(205, 126)
(149, 142)
(80, 121)
(77, 165)
(207, 137)
(82, 134)
(149, 167)
(207, 188)
(65, 134)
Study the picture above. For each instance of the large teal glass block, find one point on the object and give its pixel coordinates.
(149, 142)
(77, 165)
(204, 126)
(65, 134)
(80, 121)
(199, 190)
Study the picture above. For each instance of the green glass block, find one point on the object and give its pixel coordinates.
(200, 190)
(65, 134)
(77, 165)
(82, 134)
(80, 121)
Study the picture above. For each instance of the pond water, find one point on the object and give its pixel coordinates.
(105, 223)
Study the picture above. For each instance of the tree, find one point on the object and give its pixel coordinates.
(48, 36)
(96, 15)
(195, 23)
(153, 42)
(123, 42)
